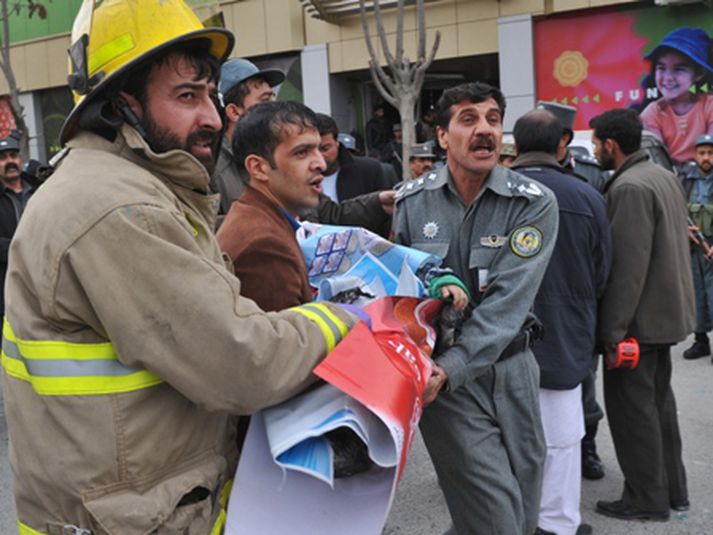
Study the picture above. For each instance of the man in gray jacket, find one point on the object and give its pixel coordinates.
(649, 296)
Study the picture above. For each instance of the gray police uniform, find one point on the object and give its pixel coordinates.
(484, 434)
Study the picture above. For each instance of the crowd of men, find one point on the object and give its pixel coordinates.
(117, 269)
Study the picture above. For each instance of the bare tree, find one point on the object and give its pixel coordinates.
(401, 86)
(9, 8)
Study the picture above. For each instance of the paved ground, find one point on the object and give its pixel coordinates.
(419, 508)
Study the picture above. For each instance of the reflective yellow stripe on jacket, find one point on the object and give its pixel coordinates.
(23, 529)
(331, 326)
(57, 368)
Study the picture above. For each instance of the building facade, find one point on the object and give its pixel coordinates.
(532, 49)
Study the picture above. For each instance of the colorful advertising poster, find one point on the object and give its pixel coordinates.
(656, 60)
(286, 482)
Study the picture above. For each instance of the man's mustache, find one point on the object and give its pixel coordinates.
(11, 166)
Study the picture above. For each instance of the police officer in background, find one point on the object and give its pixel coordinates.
(15, 191)
(699, 184)
(582, 165)
(508, 154)
(496, 229)
(586, 168)
(421, 159)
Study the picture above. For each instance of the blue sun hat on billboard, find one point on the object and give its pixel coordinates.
(691, 42)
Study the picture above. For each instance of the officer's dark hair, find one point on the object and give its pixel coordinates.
(475, 92)
(262, 128)
(538, 131)
(236, 94)
(327, 125)
(622, 125)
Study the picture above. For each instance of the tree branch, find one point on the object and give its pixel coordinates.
(382, 37)
(365, 29)
(380, 87)
(400, 32)
(386, 80)
(421, 49)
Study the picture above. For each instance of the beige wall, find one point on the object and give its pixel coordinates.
(39, 64)
(261, 27)
(265, 26)
(468, 27)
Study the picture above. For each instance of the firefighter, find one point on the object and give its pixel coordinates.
(127, 346)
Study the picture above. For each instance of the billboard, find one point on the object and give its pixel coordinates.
(616, 58)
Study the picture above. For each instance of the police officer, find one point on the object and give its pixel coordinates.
(587, 168)
(421, 159)
(699, 184)
(496, 229)
(15, 191)
(582, 165)
(508, 154)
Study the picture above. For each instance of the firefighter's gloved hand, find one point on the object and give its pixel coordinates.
(358, 312)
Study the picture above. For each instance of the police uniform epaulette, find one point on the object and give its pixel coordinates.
(409, 187)
(519, 184)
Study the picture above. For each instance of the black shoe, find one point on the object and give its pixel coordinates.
(680, 505)
(592, 467)
(619, 509)
(700, 348)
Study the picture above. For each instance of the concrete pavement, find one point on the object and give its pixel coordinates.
(419, 508)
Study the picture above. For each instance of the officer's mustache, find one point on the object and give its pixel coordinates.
(10, 167)
(483, 141)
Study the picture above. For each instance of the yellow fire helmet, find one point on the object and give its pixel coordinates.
(109, 37)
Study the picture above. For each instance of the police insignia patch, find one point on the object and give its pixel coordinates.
(526, 241)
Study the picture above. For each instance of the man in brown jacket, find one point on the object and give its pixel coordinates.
(242, 86)
(277, 145)
(127, 346)
(649, 296)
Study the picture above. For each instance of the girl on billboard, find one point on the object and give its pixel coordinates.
(680, 64)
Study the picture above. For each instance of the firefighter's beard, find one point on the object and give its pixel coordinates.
(161, 139)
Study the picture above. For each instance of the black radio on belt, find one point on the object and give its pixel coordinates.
(533, 332)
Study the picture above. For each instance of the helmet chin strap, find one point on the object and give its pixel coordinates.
(129, 116)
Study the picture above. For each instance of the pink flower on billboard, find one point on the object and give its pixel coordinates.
(570, 68)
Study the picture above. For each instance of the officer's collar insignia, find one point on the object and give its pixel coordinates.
(432, 176)
(493, 241)
(419, 181)
(526, 241)
(531, 188)
(430, 230)
(409, 186)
